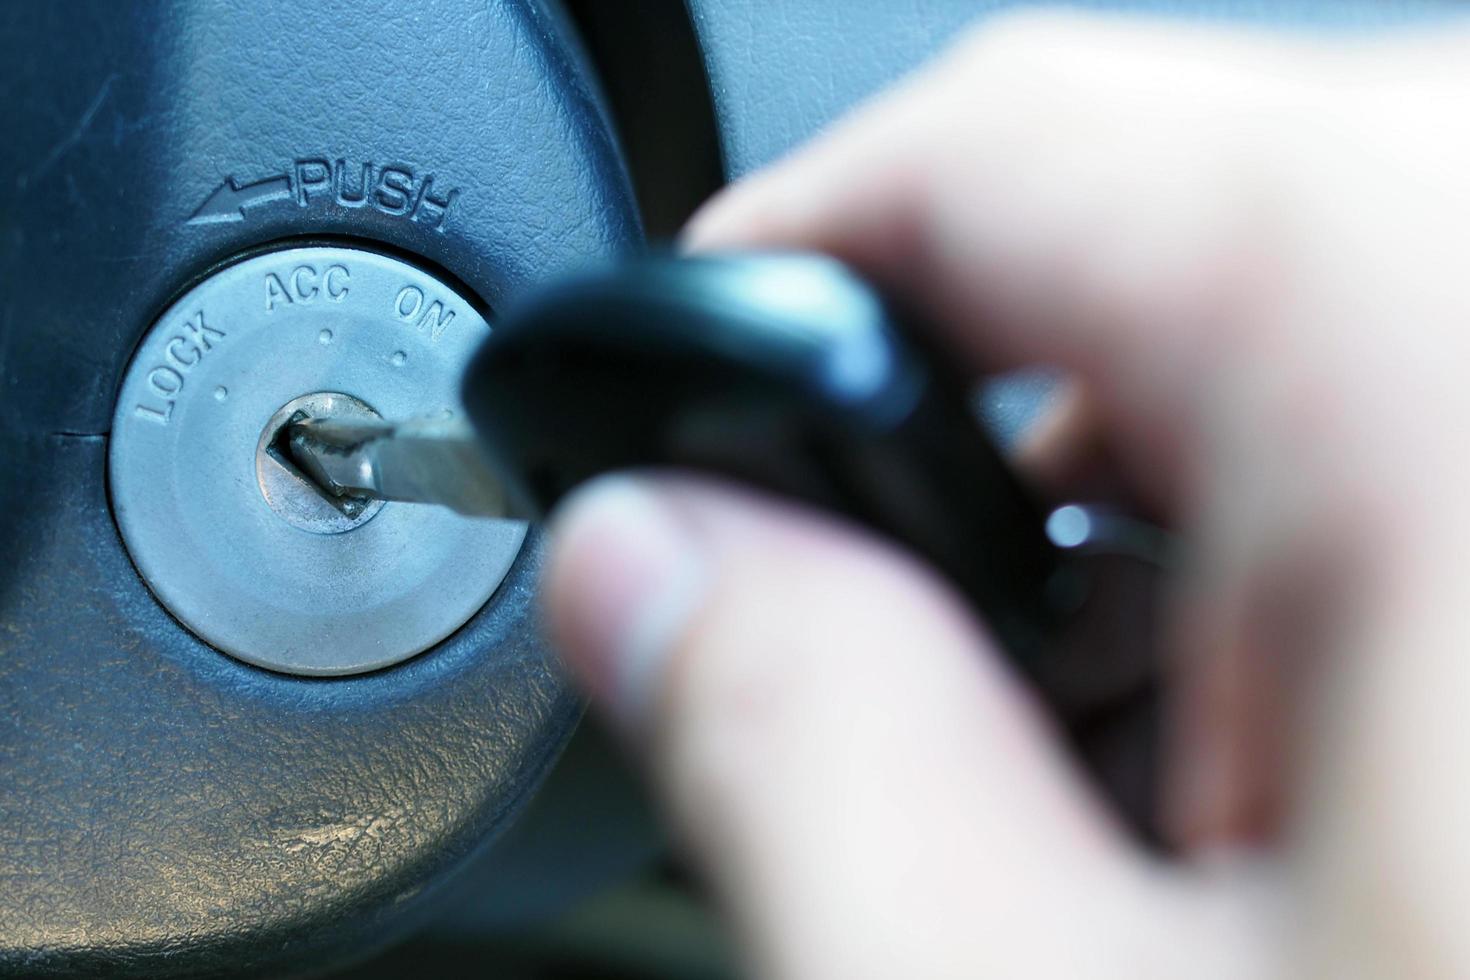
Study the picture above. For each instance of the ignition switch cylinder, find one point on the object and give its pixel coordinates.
(241, 547)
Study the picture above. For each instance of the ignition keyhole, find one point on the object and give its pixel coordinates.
(293, 495)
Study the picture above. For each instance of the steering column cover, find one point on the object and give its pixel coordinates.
(165, 809)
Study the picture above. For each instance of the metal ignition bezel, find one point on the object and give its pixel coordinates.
(211, 371)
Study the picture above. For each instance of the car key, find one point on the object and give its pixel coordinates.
(789, 372)
(783, 370)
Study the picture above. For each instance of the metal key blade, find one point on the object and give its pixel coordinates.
(432, 461)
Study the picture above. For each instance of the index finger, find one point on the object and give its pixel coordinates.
(1062, 190)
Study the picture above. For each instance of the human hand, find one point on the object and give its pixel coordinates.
(1246, 254)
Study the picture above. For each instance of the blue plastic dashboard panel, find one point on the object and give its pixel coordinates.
(165, 809)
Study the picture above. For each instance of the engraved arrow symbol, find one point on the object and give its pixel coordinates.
(228, 201)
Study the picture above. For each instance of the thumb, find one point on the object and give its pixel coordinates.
(868, 790)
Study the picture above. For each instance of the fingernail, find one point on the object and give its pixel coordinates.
(627, 574)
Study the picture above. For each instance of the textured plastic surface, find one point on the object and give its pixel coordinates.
(164, 808)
